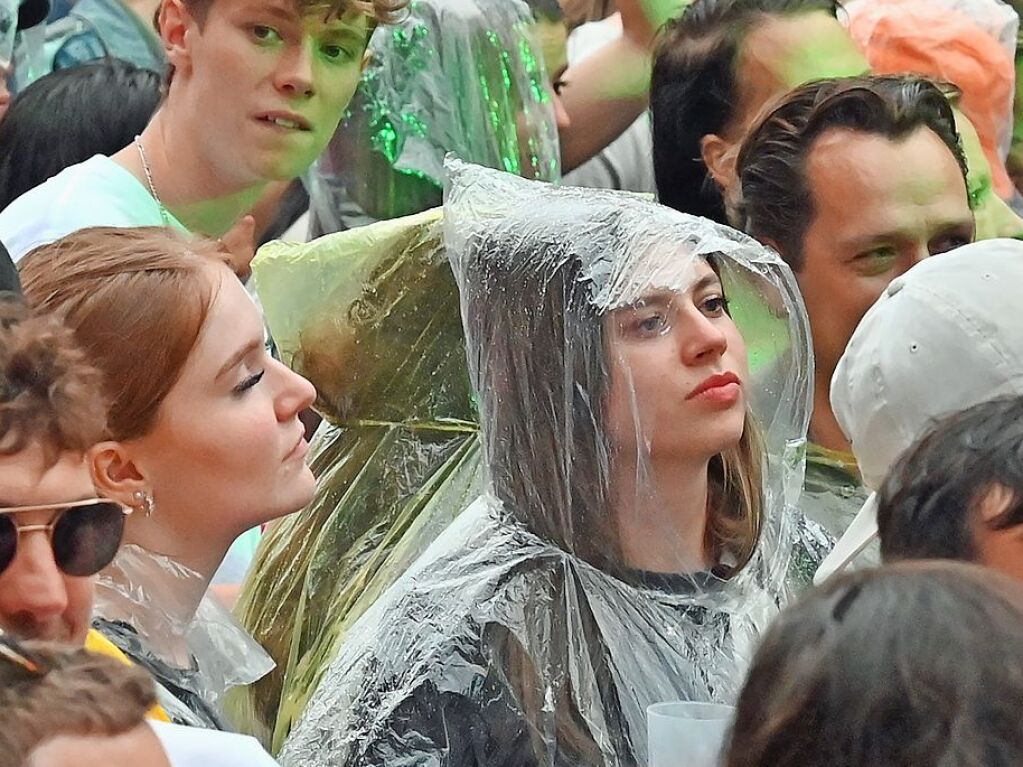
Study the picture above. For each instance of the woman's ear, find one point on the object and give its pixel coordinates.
(115, 475)
(176, 29)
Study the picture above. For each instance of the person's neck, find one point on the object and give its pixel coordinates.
(191, 187)
(662, 516)
(198, 551)
(158, 581)
(824, 428)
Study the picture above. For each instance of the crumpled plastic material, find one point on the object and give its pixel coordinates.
(969, 43)
(142, 591)
(8, 30)
(461, 76)
(371, 317)
(521, 635)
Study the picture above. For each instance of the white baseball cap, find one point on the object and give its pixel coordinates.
(944, 336)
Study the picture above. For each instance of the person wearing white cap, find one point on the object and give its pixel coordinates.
(943, 337)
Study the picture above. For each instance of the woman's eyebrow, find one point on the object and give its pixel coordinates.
(237, 357)
(653, 298)
(708, 281)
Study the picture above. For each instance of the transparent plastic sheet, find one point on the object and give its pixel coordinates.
(970, 43)
(462, 76)
(8, 30)
(371, 317)
(142, 592)
(522, 635)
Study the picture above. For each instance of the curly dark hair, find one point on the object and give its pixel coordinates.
(47, 690)
(48, 391)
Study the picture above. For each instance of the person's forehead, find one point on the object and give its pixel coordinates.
(232, 317)
(798, 48)
(319, 14)
(26, 479)
(861, 181)
(552, 37)
(657, 274)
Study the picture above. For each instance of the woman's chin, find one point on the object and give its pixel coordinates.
(305, 489)
(296, 496)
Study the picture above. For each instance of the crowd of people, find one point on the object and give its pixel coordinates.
(449, 382)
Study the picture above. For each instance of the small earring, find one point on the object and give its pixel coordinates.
(145, 503)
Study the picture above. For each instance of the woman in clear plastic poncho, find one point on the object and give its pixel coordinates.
(638, 529)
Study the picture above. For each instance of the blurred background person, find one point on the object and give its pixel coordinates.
(715, 68)
(885, 667)
(70, 116)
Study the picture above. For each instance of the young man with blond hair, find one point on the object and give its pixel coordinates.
(256, 90)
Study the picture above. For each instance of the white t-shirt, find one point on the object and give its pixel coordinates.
(627, 162)
(97, 192)
(196, 747)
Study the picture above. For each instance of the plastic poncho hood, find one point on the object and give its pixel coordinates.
(514, 639)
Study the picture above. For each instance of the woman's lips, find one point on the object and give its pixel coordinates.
(720, 386)
(299, 451)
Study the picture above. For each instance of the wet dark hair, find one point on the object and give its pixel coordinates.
(927, 505)
(777, 205)
(70, 115)
(914, 664)
(694, 92)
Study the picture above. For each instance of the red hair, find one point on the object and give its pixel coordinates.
(136, 300)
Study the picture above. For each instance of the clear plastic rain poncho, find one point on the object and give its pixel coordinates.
(195, 653)
(371, 317)
(523, 634)
(8, 30)
(462, 76)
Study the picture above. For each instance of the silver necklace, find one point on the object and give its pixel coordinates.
(149, 180)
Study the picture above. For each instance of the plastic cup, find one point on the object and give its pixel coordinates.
(686, 734)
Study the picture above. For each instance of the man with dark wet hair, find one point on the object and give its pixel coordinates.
(852, 181)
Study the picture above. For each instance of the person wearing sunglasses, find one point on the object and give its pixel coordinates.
(55, 534)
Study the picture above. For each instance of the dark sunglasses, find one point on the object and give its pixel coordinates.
(84, 535)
